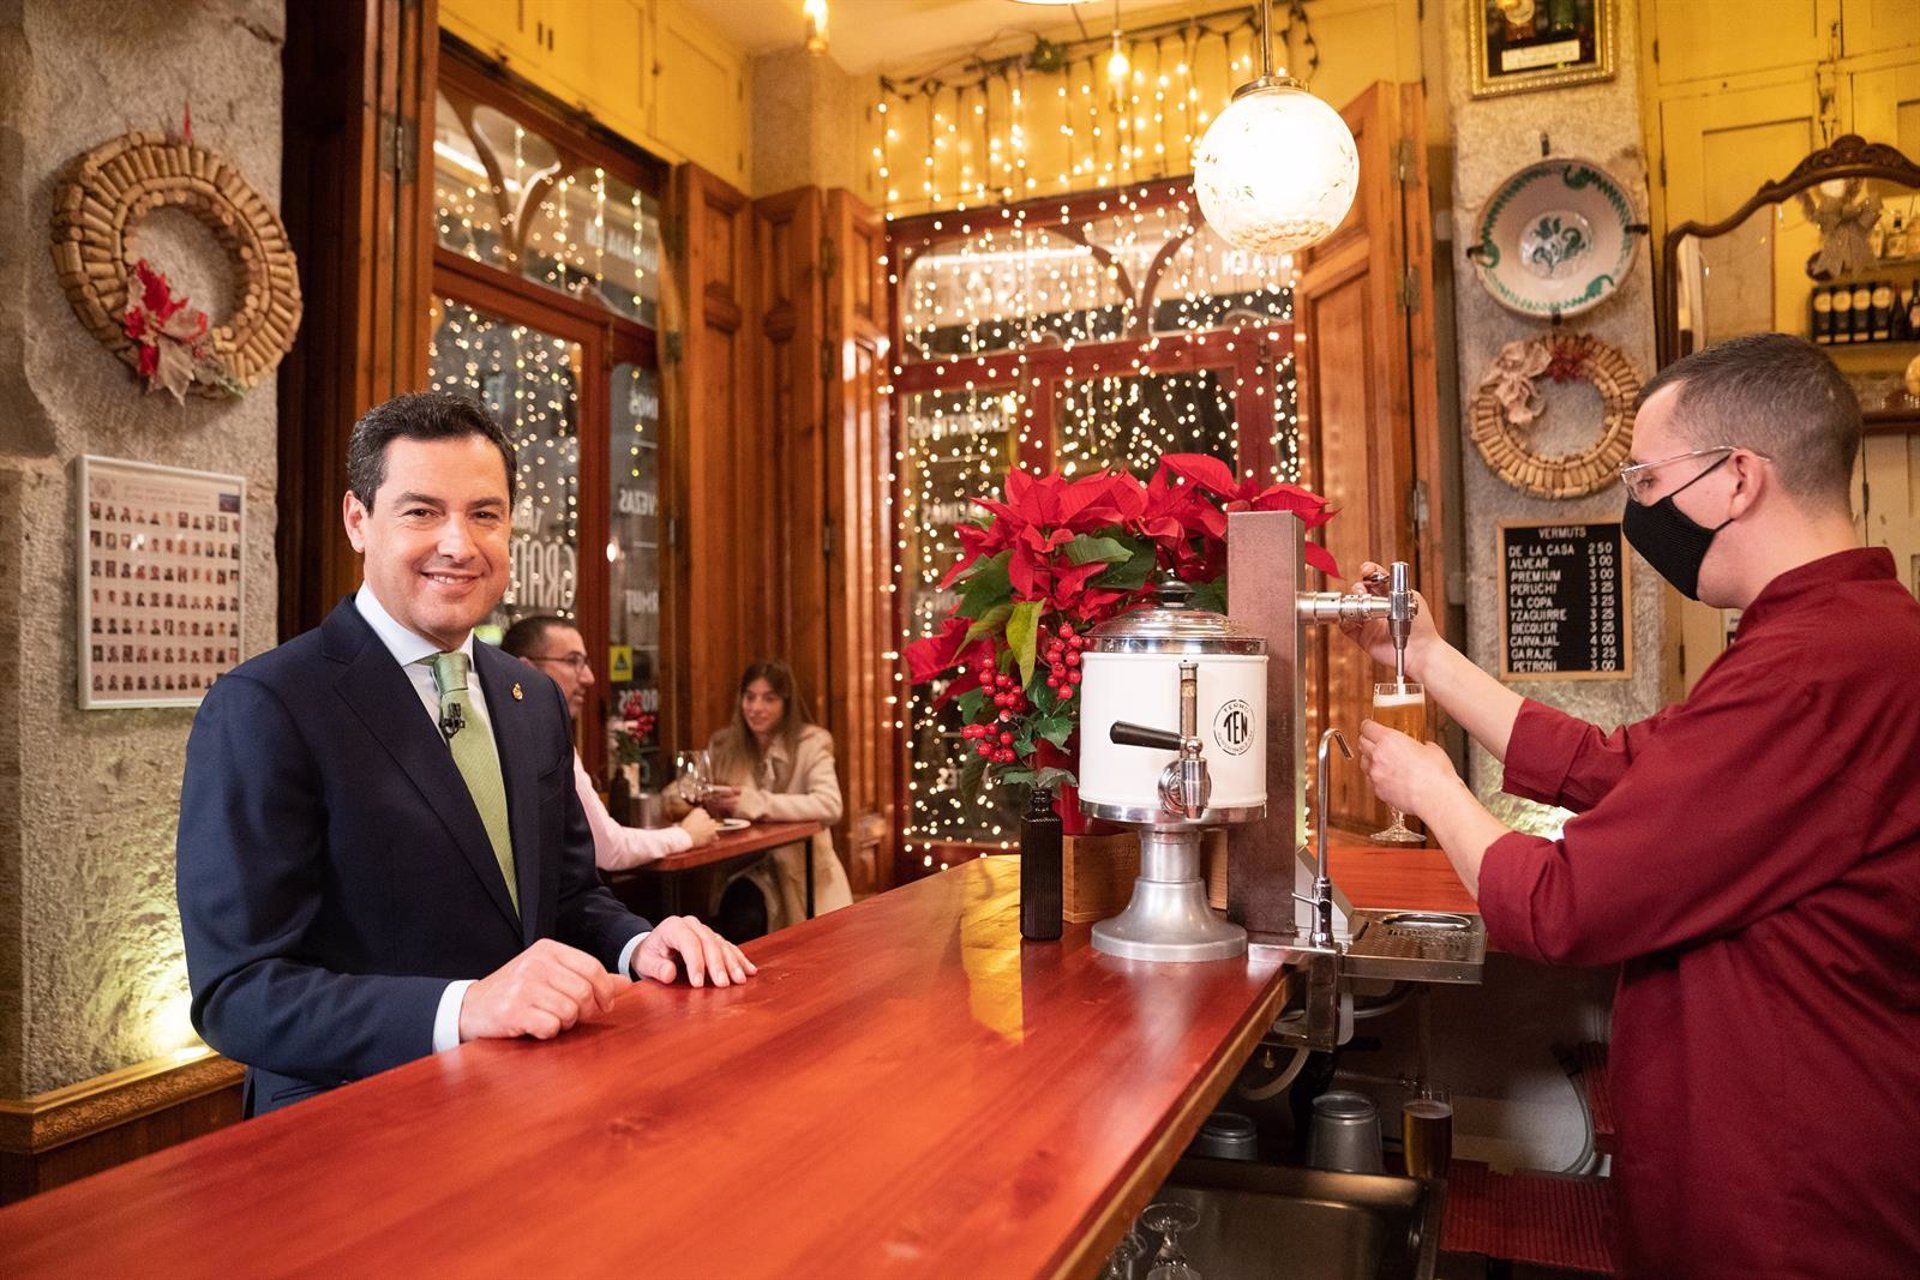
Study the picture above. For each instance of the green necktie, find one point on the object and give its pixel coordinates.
(478, 762)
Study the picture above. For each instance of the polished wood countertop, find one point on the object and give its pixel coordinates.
(757, 838)
(907, 1089)
(1379, 875)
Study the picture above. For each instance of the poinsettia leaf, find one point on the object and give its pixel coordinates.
(987, 586)
(1054, 728)
(1132, 573)
(989, 622)
(1053, 779)
(1087, 548)
(1211, 596)
(972, 703)
(1322, 559)
(1023, 627)
(1204, 470)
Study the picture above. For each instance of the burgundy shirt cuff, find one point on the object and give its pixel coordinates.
(1508, 871)
(1540, 753)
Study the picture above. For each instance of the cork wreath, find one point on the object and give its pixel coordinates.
(1508, 405)
(130, 306)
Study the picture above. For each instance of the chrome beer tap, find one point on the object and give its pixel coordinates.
(1397, 608)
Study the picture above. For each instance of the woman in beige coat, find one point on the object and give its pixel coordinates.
(773, 765)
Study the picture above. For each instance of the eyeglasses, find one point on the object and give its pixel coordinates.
(578, 661)
(1635, 475)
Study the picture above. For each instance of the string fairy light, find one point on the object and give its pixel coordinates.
(1007, 274)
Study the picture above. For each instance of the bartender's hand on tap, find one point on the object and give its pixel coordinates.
(1374, 636)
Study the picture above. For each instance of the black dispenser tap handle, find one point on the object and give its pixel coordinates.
(1123, 734)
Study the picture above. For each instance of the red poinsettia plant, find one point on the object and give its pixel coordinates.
(171, 337)
(1052, 559)
(633, 728)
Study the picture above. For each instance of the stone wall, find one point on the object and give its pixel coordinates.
(1493, 137)
(91, 974)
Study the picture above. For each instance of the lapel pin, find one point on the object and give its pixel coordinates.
(517, 694)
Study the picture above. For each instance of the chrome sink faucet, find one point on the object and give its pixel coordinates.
(1322, 900)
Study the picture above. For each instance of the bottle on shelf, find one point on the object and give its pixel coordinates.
(1913, 310)
(1820, 324)
(1863, 312)
(1842, 315)
(1899, 241)
(1883, 302)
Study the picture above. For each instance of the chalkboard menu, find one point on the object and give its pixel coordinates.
(1563, 602)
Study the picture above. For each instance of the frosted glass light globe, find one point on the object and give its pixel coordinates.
(1277, 170)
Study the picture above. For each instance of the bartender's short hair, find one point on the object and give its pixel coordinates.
(1775, 394)
(422, 415)
(528, 634)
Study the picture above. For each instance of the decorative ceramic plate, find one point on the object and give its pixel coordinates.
(1556, 239)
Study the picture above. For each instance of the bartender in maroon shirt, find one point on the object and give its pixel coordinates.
(1750, 857)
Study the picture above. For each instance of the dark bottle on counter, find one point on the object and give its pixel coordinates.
(1842, 315)
(620, 797)
(1041, 845)
(1820, 321)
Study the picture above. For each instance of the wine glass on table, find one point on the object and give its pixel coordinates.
(1402, 705)
(690, 775)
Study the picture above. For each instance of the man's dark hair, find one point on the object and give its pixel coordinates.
(423, 415)
(1774, 394)
(530, 633)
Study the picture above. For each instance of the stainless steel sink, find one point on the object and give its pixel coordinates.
(1415, 946)
(1284, 1223)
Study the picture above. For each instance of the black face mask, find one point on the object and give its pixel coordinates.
(1675, 545)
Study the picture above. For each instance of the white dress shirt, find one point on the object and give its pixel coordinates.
(408, 648)
(617, 847)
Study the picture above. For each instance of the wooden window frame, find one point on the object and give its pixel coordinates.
(606, 339)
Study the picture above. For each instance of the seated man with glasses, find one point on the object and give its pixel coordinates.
(1750, 857)
(553, 646)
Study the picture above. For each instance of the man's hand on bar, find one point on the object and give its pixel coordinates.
(541, 992)
(705, 954)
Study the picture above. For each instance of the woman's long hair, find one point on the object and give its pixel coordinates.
(736, 751)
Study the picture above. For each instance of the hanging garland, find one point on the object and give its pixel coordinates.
(131, 307)
(1508, 406)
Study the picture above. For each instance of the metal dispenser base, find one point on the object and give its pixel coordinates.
(1168, 918)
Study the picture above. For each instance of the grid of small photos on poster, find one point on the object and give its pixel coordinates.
(160, 598)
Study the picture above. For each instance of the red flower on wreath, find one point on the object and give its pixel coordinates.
(171, 336)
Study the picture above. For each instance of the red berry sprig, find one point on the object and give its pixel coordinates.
(1062, 654)
(993, 741)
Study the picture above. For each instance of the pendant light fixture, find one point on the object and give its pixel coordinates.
(1277, 170)
(1117, 64)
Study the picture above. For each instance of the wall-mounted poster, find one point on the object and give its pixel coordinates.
(1522, 45)
(159, 560)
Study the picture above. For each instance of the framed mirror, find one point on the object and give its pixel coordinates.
(1830, 252)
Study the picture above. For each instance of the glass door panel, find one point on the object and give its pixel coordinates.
(634, 557)
(530, 381)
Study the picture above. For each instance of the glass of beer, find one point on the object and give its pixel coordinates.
(1400, 705)
(1426, 1132)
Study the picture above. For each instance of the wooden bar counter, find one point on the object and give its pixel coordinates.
(905, 1090)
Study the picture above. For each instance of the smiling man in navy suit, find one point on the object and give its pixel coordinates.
(381, 854)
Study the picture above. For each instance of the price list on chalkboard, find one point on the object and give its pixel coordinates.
(1563, 601)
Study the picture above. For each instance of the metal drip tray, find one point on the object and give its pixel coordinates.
(1415, 946)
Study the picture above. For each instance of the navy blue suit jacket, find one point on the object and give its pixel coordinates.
(334, 874)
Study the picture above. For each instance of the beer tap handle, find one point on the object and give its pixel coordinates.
(1400, 610)
(1126, 734)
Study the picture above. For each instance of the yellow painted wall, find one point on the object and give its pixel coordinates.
(653, 71)
(1736, 97)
